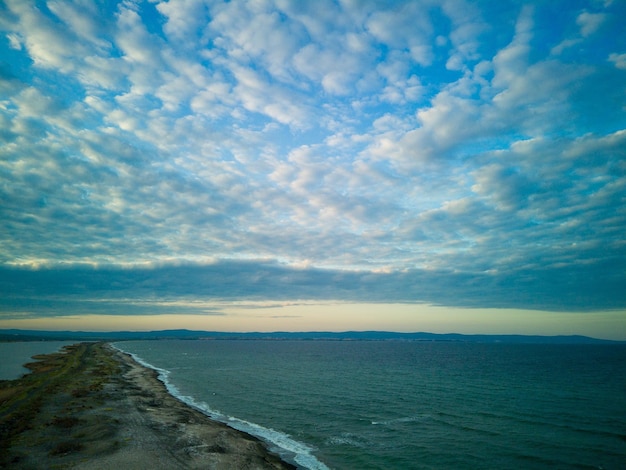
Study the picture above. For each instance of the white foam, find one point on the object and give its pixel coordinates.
(406, 419)
(279, 442)
(346, 438)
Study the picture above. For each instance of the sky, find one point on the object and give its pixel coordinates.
(267, 165)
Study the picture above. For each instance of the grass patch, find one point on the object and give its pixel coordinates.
(66, 447)
(53, 396)
(80, 392)
(65, 422)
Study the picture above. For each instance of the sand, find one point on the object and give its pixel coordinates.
(92, 406)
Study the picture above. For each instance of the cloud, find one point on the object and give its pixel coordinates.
(437, 138)
(185, 20)
(249, 32)
(15, 41)
(257, 95)
(468, 26)
(193, 288)
(619, 60)
(407, 27)
(82, 19)
(590, 22)
(507, 187)
(48, 45)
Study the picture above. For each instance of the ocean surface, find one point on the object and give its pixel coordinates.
(409, 405)
(14, 354)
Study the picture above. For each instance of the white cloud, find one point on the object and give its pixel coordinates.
(15, 42)
(333, 68)
(565, 44)
(512, 61)
(320, 19)
(49, 45)
(590, 22)
(402, 86)
(83, 19)
(32, 103)
(139, 47)
(185, 20)
(250, 32)
(467, 27)
(296, 131)
(619, 60)
(403, 27)
(259, 96)
(507, 188)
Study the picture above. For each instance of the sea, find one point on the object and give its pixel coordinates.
(408, 404)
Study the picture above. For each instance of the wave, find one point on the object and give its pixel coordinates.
(347, 439)
(281, 443)
(406, 419)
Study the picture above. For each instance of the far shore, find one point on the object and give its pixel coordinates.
(92, 406)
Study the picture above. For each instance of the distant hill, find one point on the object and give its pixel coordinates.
(35, 335)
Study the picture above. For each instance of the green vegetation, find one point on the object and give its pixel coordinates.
(48, 412)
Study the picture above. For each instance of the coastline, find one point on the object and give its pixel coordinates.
(92, 404)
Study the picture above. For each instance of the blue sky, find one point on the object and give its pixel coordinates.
(174, 159)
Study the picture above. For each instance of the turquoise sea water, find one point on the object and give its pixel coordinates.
(402, 405)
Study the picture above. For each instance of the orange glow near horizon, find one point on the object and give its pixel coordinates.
(338, 316)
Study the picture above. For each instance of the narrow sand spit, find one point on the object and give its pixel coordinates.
(92, 406)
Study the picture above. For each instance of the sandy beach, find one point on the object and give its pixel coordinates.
(92, 406)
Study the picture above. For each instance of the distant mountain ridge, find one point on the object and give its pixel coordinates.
(36, 335)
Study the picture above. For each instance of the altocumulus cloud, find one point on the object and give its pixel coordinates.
(442, 151)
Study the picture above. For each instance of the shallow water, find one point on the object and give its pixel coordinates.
(13, 355)
(390, 404)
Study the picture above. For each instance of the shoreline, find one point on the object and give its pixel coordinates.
(92, 404)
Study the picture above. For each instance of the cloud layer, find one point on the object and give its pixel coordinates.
(453, 152)
(196, 289)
